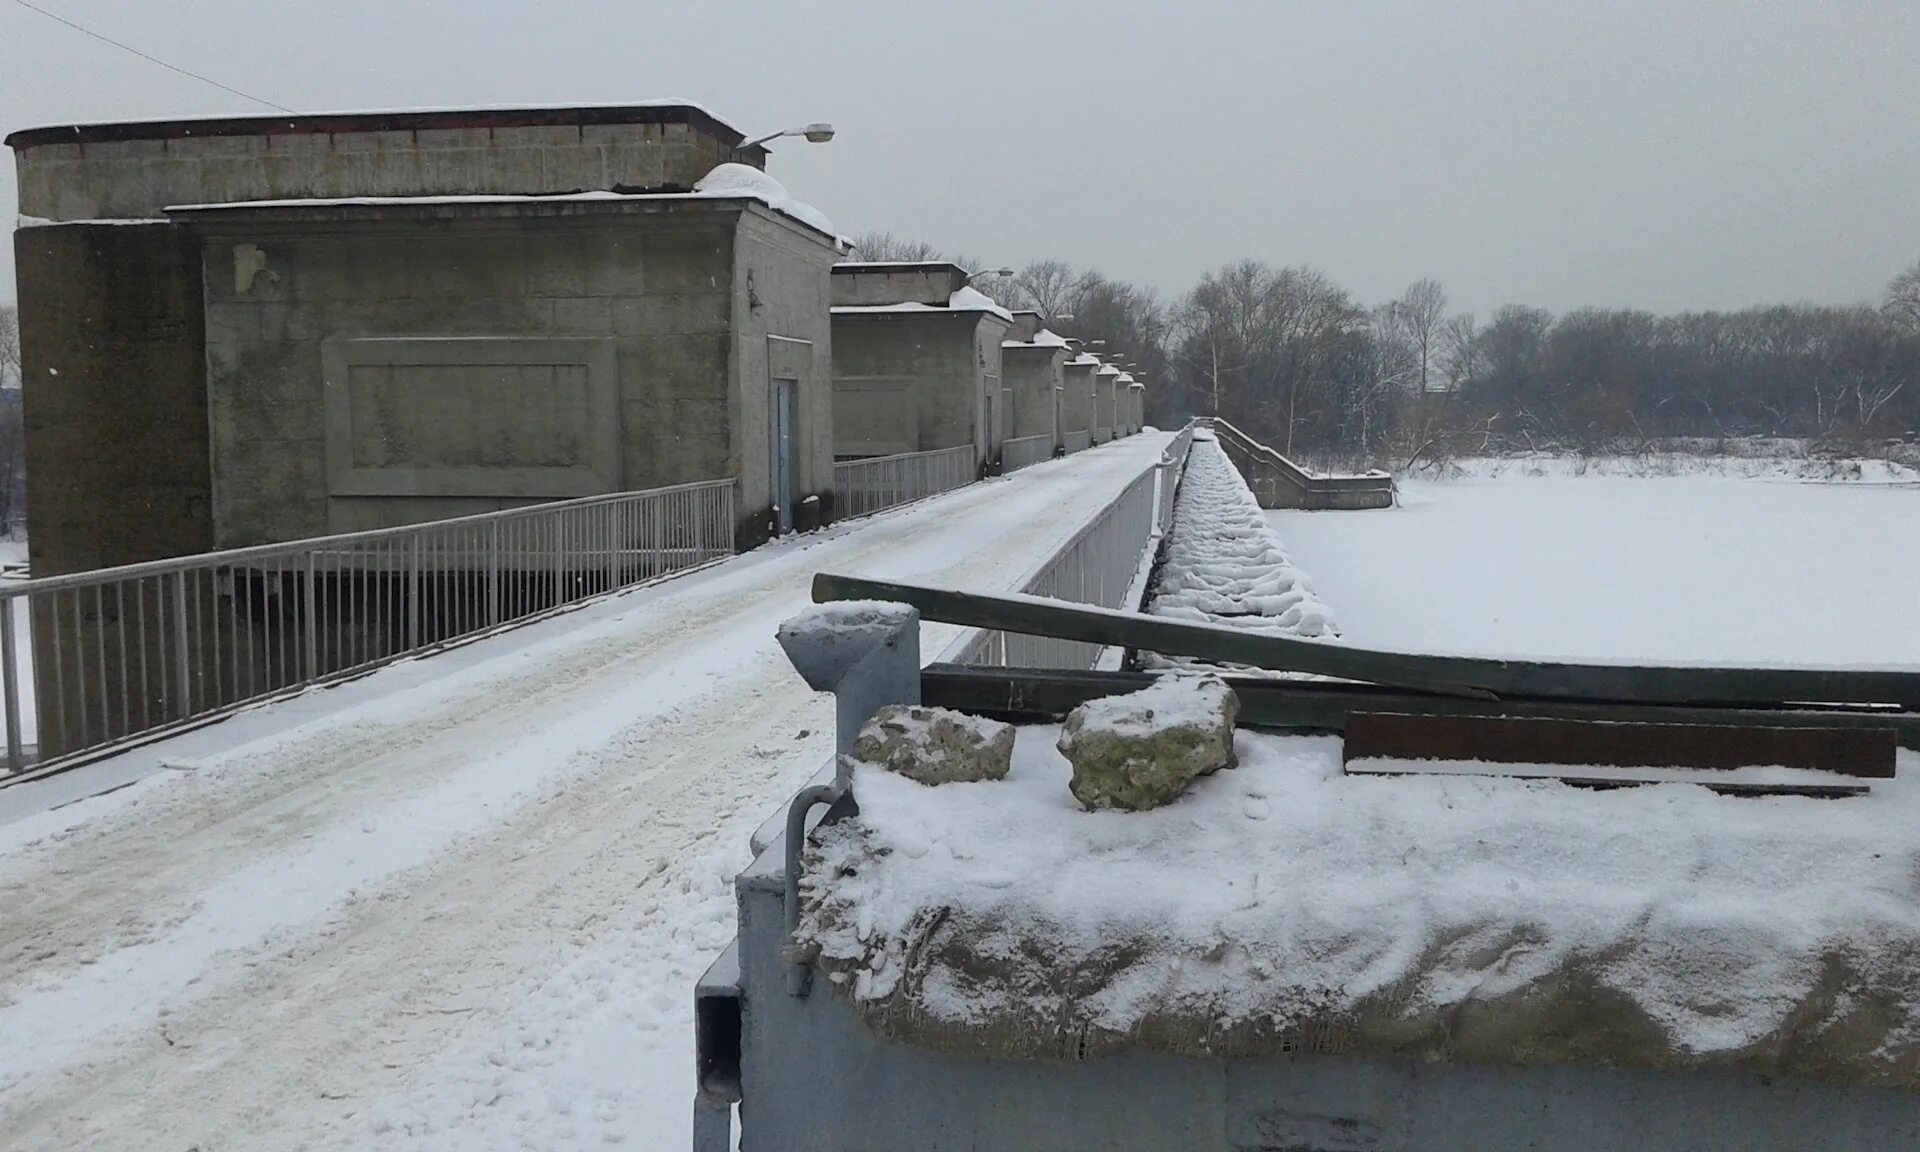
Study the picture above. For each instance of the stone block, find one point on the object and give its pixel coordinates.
(1143, 749)
(936, 745)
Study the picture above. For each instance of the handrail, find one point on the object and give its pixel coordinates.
(1097, 565)
(863, 487)
(123, 654)
(1467, 677)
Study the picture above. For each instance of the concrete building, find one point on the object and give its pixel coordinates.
(1076, 399)
(1136, 405)
(1106, 390)
(916, 361)
(1033, 361)
(253, 330)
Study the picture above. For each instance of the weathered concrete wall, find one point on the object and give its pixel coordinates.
(1034, 377)
(989, 333)
(783, 330)
(114, 400)
(931, 355)
(1104, 390)
(643, 295)
(115, 412)
(136, 170)
(854, 1092)
(868, 285)
(1076, 397)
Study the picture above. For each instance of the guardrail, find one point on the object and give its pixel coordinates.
(123, 654)
(863, 487)
(1025, 451)
(1097, 566)
(1076, 441)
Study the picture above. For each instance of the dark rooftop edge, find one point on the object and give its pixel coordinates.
(332, 122)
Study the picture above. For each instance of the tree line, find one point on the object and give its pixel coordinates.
(1295, 360)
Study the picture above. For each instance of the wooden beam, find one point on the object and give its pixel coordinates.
(1026, 694)
(1467, 676)
(1860, 752)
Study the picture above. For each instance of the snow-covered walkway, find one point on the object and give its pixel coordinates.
(464, 910)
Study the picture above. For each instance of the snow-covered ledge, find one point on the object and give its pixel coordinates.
(1281, 906)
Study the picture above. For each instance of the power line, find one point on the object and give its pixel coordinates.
(153, 59)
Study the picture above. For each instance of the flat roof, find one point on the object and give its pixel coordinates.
(854, 267)
(667, 111)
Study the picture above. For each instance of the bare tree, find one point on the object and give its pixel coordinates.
(1049, 287)
(9, 346)
(1461, 341)
(885, 246)
(1420, 313)
(1902, 305)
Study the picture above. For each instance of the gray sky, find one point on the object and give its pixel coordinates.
(1642, 153)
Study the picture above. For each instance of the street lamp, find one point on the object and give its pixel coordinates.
(815, 134)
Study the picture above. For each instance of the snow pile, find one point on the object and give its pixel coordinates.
(972, 299)
(1048, 338)
(1283, 905)
(1223, 562)
(744, 180)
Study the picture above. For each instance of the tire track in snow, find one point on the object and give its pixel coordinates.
(289, 1035)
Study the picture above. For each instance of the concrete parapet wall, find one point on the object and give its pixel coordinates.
(1278, 482)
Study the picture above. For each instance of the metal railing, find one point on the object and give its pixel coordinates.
(1097, 566)
(1024, 451)
(863, 487)
(121, 654)
(1076, 441)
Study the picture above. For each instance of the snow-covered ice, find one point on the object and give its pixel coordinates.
(1693, 567)
(461, 910)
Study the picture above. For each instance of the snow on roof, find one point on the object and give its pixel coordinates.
(1050, 338)
(963, 300)
(1125, 378)
(1284, 899)
(1085, 358)
(733, 179)
(726, 182)
(972, 298)
(1107, 370)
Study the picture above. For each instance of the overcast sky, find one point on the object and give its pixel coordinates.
(1642, 153)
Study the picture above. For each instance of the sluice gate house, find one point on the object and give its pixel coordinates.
(254, 330)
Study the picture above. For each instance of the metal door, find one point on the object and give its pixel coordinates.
(785, 465)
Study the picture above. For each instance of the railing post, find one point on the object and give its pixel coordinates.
(10, 680)
(182, 659)
(413, 591)
(493, 574)
(313, 619)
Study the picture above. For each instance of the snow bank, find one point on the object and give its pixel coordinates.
(1283, 905)
(730, 180)
(1224, 564)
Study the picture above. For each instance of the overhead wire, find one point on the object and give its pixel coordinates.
(148, 56)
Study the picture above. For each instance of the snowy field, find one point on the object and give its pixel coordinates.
(1691, 567)
(462, 906)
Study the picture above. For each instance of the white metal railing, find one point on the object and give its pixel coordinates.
(1097, 566)
(1025, 451)
(1076, 441)
(121, 654)
(862, 487)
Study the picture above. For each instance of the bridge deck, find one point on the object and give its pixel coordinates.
(463, 900)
